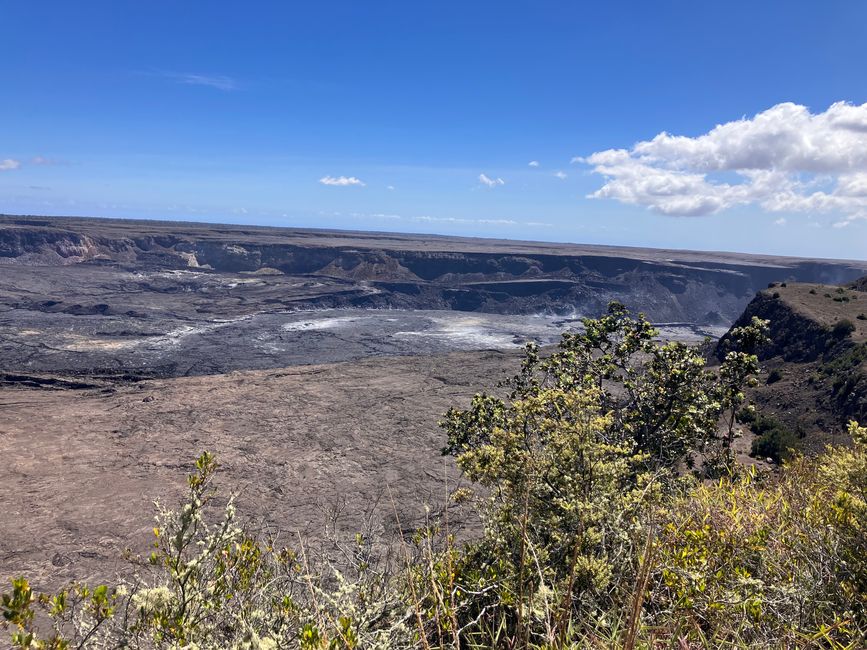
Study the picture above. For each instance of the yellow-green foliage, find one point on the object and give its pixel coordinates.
(565, 502)
(777, 560)
(748, 561)
(769, 559)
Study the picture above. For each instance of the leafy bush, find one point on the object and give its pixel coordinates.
(774, 376)
(842, 328)
(776, 444)
(746, 415)
(745, 559)
(843, 364)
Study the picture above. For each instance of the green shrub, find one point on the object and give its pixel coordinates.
(846, 362)
(842, 328)
(774, 440)
(775, 375)
(776, 443)
(748, 557)
(746, 415)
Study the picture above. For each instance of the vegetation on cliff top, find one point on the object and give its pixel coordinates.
(594, 535)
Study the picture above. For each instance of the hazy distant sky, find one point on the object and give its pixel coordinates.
(530, 120)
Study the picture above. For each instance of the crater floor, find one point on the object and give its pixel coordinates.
(314, 364)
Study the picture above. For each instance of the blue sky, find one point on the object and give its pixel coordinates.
(268, 113)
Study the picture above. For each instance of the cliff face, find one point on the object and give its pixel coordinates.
(795, 336)
(427, 272)
(816, 364)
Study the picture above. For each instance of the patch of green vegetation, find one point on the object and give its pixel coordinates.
(775, 375)
(843, 372)
(774, 440)
(846, 362)
(842, 328)
(746, 415)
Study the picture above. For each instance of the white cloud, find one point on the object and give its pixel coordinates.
(533, 163)
(561, 175)
(785, 159)
(780, 222)
(341, 181)
(491, 182)
(390, 188)
(220, 82)
(490, 222)
(427, 219)
(8, 165)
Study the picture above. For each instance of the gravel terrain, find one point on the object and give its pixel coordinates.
(81, 467)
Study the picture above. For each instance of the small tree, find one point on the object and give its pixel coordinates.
(737, 372)
(582, 446)
(661, 397)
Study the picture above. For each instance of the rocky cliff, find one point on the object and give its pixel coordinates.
(815, 378)
(378, 270)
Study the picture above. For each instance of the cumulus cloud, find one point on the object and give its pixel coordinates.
(533, 163)
(784, 159)
(561, 175)
(341, 181)
(490, 182)
(8, 165)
